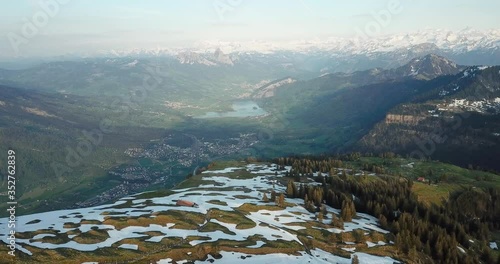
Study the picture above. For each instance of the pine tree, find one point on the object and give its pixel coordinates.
(296, 192)
(348, 210)
(282, 200)
(353, 209)
(359, 236)
(346, 215)
(427, 249)
(324, 210)
(289, 189)
(413, 253)
(301, 191)
(310, 206)
(415, 212)
(335, 221)
(265, 199)
(355, 260)
(383, 221)
(343, 175)
(273, 195)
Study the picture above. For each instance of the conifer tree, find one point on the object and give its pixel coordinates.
(324, 210)
(289, 189)
(264, 198)
(348, 211)
(355, 260)
(413, 253)
(320, 216)
(282, 200)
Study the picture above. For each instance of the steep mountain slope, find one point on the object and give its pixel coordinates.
(457, 122)
(428, 67)
(344, 106)
(63, 147)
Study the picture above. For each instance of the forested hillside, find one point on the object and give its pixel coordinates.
(458, 122)
(456, 231)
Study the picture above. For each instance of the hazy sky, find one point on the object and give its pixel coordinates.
(92, 25)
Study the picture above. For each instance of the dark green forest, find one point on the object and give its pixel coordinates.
(422, 231)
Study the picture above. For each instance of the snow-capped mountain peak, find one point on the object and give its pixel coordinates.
(461, 41)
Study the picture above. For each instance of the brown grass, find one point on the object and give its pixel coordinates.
(183, 220)
(92, 237)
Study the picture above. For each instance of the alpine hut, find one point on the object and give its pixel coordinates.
(186, 203)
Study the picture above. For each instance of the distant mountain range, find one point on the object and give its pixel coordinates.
(467, 47)
(329, 55)
(461, 41)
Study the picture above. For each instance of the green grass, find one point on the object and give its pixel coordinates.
(153, 194)
(194, 181)
(433, 170)
(219, 165)
(433, 193)
(217, 202)
(212, 227)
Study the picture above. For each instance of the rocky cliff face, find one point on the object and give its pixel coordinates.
(222, 58)
(268, 90)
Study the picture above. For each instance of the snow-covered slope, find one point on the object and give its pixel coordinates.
(231, 208)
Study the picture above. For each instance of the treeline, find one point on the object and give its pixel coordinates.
(436, 231)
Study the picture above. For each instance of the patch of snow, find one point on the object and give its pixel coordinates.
(493, 245)
(164, 261)
(129, 246)
(257, 245)
(226, 170)
(367, 258)
(132, 64)
(466, 73)
(40, 236)
(370, 244)
(317, 256)
(461, 249)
